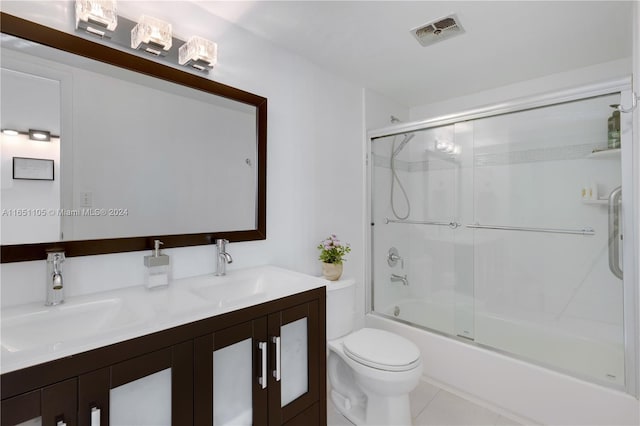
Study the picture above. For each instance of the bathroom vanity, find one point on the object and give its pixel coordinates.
(246, 348)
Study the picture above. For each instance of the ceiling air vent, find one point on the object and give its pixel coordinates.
(438, 30)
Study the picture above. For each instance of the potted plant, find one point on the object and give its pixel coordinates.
(332, 253)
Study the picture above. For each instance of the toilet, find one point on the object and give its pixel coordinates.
(371, 371)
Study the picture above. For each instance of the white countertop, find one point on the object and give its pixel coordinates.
(33, 333)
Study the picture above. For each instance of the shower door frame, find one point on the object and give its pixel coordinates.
(630, 215)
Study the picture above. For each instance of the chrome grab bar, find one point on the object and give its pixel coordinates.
(452, 225)
(582, 231)
(614, 232)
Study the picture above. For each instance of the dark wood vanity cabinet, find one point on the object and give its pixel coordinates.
(272, 346)
(286, 358)
(94, 388)
(54, 404)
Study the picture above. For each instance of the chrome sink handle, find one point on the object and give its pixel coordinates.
(614, 232)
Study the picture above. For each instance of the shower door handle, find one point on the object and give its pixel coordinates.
(614, 232)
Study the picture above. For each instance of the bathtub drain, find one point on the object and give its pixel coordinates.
(396, 311)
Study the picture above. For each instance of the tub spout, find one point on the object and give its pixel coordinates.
(395, 278)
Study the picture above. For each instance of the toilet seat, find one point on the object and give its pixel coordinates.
(381, 350)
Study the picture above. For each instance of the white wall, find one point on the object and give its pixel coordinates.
(315, 185)
(379, 109)
(548, 84)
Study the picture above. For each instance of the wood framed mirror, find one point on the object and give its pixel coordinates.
(121, 184)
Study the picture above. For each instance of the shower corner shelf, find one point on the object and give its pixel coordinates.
(604, 154)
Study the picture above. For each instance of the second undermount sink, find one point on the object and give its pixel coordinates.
(38, 326)
(246, 287)
(231, 293)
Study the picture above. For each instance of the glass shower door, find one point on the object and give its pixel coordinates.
(544, 289)
(417, 245)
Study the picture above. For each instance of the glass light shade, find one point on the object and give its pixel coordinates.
(151, 34)
(10, 132)
(96, 16)
(198, 52)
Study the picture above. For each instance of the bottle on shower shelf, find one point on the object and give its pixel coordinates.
(614, 129)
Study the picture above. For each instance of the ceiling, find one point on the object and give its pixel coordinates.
(369, 42)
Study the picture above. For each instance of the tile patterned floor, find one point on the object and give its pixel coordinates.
(431, 406)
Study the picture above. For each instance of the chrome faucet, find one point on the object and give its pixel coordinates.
(222, 257)
(55, 287)
(399, 278)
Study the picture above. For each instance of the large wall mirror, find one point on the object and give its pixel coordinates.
(138, 150)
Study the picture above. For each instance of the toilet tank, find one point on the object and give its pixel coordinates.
(341, 307)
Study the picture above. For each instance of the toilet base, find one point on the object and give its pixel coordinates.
(378, 411)
(352, 411)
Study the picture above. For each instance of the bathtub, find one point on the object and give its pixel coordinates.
(548, 342)
(503, 379)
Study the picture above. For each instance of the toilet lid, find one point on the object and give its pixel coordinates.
(381, 349)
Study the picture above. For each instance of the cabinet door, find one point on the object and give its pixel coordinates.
(231, 375)
(156, 388)
(294, 336)
(53, 405)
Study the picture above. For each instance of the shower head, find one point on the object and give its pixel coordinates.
(405, 140)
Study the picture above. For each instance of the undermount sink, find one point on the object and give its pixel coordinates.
(24, 328)
(231, 293)
(246, 287)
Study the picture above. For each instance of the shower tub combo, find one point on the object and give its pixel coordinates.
(499, 231)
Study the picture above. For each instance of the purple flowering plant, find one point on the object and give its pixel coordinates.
(332, 250)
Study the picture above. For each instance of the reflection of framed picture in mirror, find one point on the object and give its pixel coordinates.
(32, 168)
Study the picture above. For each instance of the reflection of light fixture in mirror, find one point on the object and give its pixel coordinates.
(447, 147)
(152, 35)
(39, 135)
(199, 53)
(97, 17)
(34, 135)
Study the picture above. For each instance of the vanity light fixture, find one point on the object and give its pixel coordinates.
(97, 17)
(199, 53)
(152, 35)
(10, 132)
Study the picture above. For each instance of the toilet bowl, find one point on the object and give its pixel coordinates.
(371, 371)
